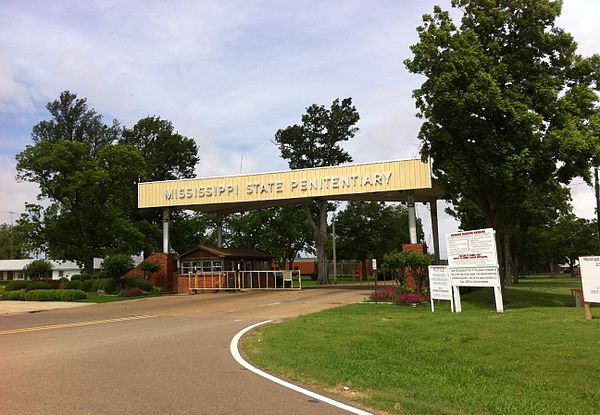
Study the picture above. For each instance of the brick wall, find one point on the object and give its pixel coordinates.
(410, 280)
(206, 281)
(165, 277)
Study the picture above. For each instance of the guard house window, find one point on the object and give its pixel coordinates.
(201, 266)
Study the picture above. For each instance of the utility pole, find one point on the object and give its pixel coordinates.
(597, 191)
(11, 232)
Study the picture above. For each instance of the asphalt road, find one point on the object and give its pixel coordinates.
(167, 355)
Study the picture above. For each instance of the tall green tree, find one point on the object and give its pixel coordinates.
(508, 106)
(168, 156)
(282, 232)
(88, 180)
(13, 242)
(573, 237)
(316, 143)
(366, 230)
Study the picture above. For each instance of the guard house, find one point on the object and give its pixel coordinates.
(206, 259)
(212, 268)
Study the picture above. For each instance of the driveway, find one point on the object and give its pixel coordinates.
(167, 355)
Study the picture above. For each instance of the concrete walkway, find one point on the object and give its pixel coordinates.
(17, 307)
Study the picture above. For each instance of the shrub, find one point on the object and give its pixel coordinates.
(157, 290)
(131, 292)
(18, 295)
(108, 285)
(117, 265)
(37, 269)
(86, 277)
(86, 285)
(37, 285)
(16, 285)
(385, 294)
(55, 295)
(405, 263)
(73, 285)
(415, 298)
(136, 283)
(149, 268)
(94, 285)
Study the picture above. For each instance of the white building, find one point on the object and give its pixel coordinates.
(12, 269)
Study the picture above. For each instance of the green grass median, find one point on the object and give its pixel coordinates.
(539, 357)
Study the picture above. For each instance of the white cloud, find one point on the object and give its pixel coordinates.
(13, 195)
(227, 73)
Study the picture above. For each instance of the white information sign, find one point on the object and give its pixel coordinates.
(475, 276)
(590, 278)
(439, 285)
(473, 262)
(476, 248)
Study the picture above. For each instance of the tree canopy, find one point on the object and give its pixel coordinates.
(282, 232)
(316, 143)
(88, 172)
(509, 109)
(366, 230)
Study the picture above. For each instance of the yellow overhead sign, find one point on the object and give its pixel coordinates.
(327, 182)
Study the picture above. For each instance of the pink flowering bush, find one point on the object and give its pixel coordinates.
(132, 292)
(385, 294)
(413, 298)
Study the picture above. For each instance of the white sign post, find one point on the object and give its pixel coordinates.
(473, 262)
(439, 285)
(590, 282)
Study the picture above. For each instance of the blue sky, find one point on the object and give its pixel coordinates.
(226, 73)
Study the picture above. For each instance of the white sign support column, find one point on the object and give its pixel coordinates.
(412, 218)
(166, 214)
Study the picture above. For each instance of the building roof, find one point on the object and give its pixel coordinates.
(230, 252)
(19, 264)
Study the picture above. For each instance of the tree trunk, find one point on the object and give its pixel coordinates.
(88, 265)
(320, 233)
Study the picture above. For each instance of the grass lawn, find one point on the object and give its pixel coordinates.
(540, 357)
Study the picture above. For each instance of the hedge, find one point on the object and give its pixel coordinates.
(81, 277)
(108, 285)
(55, 295)
(18, 295)
(86, 285)
(73, 285)
(37, 285)
(16, 285)
(136, 283)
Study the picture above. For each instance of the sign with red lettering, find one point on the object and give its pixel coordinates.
(476, 248)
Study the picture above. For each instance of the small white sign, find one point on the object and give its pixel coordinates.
(590, 278)
(475, 276)
(476, 248)
(439, 283)
(374, 264)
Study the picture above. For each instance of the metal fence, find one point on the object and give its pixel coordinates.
(245, 280)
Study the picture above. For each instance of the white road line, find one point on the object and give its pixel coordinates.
(233, 347)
